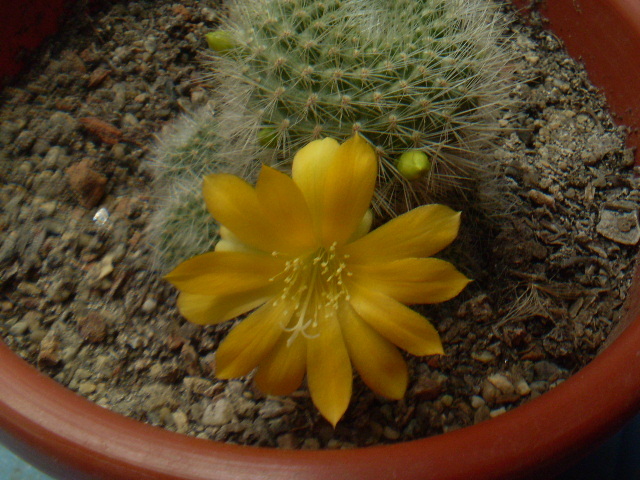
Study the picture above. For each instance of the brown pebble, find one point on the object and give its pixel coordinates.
(106, 132)
(168, 372)
(183, 11)
(97, 77)
(427, 388)
(540, 198)
(479, 308)
(49, 354)
(86, 183)
(92, 328)
(201, 386)
(191, 359)
(533, 353)
(174, 342)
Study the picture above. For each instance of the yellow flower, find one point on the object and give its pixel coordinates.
(328, 296)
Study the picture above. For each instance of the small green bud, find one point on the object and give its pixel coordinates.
(268, 137)
(413, 164)
(220, 41)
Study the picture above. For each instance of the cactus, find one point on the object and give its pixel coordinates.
(410, 74)
(181, 225)
(424, 77)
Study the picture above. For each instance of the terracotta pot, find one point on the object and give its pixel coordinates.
(25, 24)
(71, 438)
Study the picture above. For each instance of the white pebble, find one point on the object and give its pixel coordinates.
(101, 217)
(219, 413)
(497, 412)
(501, 382)
(149, 305)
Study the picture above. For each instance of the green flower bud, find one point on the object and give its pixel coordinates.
(413, 164)
(268, 137)
(220, 41)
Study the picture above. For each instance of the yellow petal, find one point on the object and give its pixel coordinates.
(225, 273)
(329, 373)
(230, 243)
(363, 227)
(234, 204)
(309, 171)
(282, 372)
(398, 324)
(208, 310)
(412, 280)
(251, 341)
(420, 232)
(377, 361)
(286, 209)
(349, 184)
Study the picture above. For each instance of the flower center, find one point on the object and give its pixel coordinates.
(313, 286)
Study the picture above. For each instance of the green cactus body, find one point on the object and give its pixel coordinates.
(408, 75)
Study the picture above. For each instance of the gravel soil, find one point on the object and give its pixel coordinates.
(80, 298)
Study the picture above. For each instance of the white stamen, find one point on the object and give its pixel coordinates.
(313, 286)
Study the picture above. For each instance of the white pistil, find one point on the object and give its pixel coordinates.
(313, 286)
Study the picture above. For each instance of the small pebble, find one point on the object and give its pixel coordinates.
(477, 402)
(447, 400)
(489, 392)
(151, 44)
(19, 328)
(497, 412)
(522, 387)
(48, 208)
(197, 385)
(30, 289)
(622, 228)
(546, 370)
(502, 383)
(118, 151)
(92, 327)
(483, 356)
(181, 421)
(166, 416)
(86, 183)
(482, 413)
(49, 354)
(86, 388)
(82, 374)
(149, 305)
(101, 217)
(427, 388)
(540, 198)
(218, 413)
